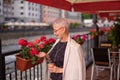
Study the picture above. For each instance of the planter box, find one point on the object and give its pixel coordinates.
(23, 64)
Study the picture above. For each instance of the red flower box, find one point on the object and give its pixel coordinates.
(24, 64)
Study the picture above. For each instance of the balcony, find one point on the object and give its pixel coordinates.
(9, 72)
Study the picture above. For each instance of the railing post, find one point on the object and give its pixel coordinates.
(2, 64)
(96, 40)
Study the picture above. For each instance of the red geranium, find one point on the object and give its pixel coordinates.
(36, 41)
(43, 38)
(30, 44)
(79, 38)
(23, 42)
(93, 32)
(30, 49)
(34, 51)
(41, 46)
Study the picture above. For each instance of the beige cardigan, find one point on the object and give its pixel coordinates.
(74, 63)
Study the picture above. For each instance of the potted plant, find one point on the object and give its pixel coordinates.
(29, 50)
(93, 33)
(114, 35)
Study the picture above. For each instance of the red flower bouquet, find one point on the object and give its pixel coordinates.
(104, 31)
(30, 49)
(79, 38)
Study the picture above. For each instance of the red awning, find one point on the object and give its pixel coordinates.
(61, 4)
(98, 6)
(92, 6)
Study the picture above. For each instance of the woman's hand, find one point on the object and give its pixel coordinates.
(54, 69)
(41, 54)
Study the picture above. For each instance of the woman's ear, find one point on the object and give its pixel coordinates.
(64, 30)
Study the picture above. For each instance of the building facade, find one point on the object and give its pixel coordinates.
(21, 11)
(73, 17)
(49, 14)
(24, 11)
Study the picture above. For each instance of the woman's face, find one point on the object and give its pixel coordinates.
(58, 31)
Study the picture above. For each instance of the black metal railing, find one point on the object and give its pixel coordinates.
(8, 69)
(86, 46)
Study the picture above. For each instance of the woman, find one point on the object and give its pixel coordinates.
(66, 54)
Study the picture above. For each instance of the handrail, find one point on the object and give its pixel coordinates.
(11, 52)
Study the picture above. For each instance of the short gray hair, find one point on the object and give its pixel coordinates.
(61, 22)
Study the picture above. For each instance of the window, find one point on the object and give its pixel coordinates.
(21, 7)
(22, 2)
(32, 14)
(28, 3)
(12, 8)
(13, 14)
(33, 9)
(12, 2)
(29, 8)
(22, 20)
(29, 14)
(21, 13)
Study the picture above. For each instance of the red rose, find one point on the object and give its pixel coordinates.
(23, 42)
(34, 51)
